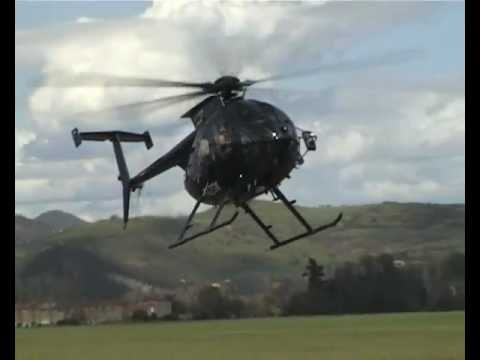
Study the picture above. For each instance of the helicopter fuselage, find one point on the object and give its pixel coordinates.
(242, 148)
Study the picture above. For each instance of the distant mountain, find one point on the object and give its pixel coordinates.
(411, 231)
(27, 230)
(60, 220)
(70, 274)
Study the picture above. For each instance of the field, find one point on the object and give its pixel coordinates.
(438, 336)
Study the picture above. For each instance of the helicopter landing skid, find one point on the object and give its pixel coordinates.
(278, 195)
(212, 227)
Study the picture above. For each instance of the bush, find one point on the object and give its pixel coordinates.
(212, 304)
(139, 315)
(69, 322)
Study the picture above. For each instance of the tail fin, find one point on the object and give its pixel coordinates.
(117, 137)
(126, 203)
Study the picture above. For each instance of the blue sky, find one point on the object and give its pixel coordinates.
(441, 36)
(33, 14)
(359, 109)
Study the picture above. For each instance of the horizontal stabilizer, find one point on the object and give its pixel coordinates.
(120, 136)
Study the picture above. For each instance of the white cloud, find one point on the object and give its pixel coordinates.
(29, 189)
(347, 146)
(402, 191)
(352, 172)
(381, 143)
(22, 138)
(363, 129)
(85, 20)
(194, 41)
(444, 124)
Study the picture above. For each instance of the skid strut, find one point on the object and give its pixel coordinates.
(212, 227)
(278, 195)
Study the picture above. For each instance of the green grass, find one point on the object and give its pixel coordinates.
(435, 336)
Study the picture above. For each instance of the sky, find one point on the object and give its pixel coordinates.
(388, 108)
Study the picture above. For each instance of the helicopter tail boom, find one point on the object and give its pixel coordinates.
(117, 137)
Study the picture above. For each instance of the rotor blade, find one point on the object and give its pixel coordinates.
(102, 80)
(164, 101)
(392, 58)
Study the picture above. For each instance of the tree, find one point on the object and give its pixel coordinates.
(447, 290)
(213, 304)
(453, 267)
(315, 274)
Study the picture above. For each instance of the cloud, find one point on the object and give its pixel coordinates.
(406, 192)
(22, 138)
(384, 142)
(196, 41)
(85, 20)
(373, 129)
(343, 146)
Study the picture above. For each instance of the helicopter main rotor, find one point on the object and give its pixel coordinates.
(226, 87)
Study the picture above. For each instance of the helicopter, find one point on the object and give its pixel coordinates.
(238, 150)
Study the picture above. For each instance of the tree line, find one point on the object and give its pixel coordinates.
(379, 284)
(373, 284)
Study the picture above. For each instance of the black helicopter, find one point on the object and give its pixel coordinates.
(240, 149)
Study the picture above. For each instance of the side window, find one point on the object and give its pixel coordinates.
(204, 148)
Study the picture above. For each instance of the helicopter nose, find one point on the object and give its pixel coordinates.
(265, 154)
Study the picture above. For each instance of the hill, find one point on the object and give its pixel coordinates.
(239, 252)
(28, 230)
(69, 274)
(60, 220)
(40, 228)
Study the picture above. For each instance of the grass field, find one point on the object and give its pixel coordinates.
(438, 336)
